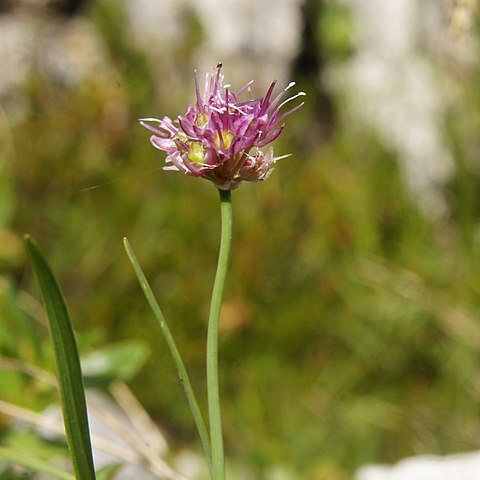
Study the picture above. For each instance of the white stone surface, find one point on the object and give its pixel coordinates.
(16, 51)
(465, 466)
(67, 52)
(258, 37)
(391, 84)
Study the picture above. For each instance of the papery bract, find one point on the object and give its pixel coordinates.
(221, 138)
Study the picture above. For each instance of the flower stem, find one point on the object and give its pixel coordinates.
(214, 413)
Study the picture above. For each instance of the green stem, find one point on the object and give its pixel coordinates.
(214, 413)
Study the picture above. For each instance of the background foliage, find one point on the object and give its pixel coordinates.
(350, 327)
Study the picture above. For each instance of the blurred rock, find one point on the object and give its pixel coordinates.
(464, 466)
(73, 52)
(191, 465)
(17, 40)
(462, 15)
(260, 38)
(392, 85)
(35, 41)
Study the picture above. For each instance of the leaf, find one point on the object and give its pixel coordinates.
(172, 346)
(25, 459)
(69, 373)
(119, 361)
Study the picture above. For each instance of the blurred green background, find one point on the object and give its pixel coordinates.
(351, 320)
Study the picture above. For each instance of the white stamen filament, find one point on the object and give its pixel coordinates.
(149, 120)
(238, 109)
(162, 125)
(218, 110)
(281, 157)
(299, 94)
(280, 95)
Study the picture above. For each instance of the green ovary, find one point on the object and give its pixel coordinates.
(196, 152)
(227, 136)
(200, 119)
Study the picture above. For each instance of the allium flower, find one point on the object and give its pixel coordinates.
(219, 137)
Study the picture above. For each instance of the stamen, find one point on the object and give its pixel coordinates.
(286, 114)
(245, 87)
(280, 95)
(218, 110)
(299, 94)
(237, 109)
(168, 128)
(281, 157)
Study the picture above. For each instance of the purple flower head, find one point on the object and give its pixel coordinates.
(219, 137)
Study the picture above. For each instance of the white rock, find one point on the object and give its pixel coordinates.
(392, 85)
(465, 466)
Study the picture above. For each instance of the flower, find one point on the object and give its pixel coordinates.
(219, 137)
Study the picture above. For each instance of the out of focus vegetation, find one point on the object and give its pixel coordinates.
(351, 323)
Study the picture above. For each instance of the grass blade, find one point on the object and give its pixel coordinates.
(69, 373)
(25, 459)
(181, 370)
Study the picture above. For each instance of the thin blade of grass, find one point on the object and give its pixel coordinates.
(72, 392)
(24, 459)
(181, 370)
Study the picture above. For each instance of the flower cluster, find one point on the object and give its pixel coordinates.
(219, 137)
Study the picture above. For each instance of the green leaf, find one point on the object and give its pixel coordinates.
(69, 373)
(172, 346)
(25, 459)
(119, 361)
